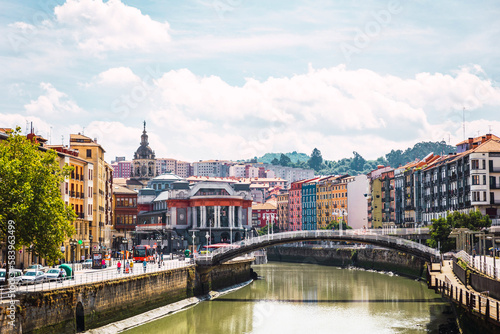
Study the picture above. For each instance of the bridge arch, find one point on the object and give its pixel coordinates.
(373, 237)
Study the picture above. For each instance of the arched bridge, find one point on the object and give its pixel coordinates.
(393, 239)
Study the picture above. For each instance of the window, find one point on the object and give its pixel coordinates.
(89, 153)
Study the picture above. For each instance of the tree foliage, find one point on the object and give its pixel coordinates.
(30, 196)
(264, 230)
(284, 160)
(316, 160)
(441, 228)
(397, 158)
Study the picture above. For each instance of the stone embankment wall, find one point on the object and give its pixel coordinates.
(93, 305)
(368, 258)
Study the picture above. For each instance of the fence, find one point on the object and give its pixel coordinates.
(478, 304)
(480, 263)
(93, 277)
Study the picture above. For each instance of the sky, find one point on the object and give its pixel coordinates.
(234, 79)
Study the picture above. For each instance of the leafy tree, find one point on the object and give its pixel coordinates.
(333, 225)
(264, 230)
(275, 161)
(358, 162)
(439, 232)
(395, 158)
(30, 197)
(284, 160)
(316, 159)
(441, 228)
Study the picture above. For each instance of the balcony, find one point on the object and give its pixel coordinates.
(494, 185)
(495, 201)
(72, 193)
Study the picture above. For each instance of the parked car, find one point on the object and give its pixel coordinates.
(33, 277)
(15, 274)
(37, 267)
(55, 274)
(87, 264)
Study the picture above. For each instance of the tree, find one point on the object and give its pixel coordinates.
(441, 228)
(275, 161)
(358, 162)
(439, 232)
(32, 210)
(264, 230)
(284, 160)
(316, 160)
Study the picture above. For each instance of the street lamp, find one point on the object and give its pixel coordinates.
(72, 243)
(207, 236)
(193, 244)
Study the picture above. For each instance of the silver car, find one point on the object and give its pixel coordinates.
(33, 277)
(55, 274)
(14, 274)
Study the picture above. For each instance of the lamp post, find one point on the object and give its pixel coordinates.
(207, 236)
(210, 229)
(72, 243)
(193, 244)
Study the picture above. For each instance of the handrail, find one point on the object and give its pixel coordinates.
(388, 236)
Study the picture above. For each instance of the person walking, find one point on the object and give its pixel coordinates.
(131, 267)
(127, 267)
(144, 264)
(119, 266)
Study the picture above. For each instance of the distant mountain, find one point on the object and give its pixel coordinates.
(358, 165)
(294, 157)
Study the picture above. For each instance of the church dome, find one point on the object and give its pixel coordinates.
(144, 151)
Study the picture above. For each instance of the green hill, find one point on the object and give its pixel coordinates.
(294, 157)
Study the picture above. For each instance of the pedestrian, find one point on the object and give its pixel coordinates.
(144, 264)
(131, 267)
(103, 263)
(127, 267)
(119, 266)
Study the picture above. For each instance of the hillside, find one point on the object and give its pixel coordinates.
(358, 165)
(294, 157)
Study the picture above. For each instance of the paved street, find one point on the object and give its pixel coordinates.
(95, 275)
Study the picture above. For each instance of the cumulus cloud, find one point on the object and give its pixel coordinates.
(117, 76)
(100, 26)
(312, 109)
(52, 103)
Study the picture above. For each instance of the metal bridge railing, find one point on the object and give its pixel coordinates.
(389, 237)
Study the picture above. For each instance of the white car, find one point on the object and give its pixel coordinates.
(55, 274)
(87, 264)
(37, 267)
(33, 277)
(15, 274)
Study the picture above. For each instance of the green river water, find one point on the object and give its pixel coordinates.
(309, 299)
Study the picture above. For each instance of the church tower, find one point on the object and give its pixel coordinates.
(144, 162)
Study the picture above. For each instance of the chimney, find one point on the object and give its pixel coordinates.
(471, 140)
(488, 136)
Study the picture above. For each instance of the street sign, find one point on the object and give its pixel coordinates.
(80, 242)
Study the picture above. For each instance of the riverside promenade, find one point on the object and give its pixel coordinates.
(453, 281)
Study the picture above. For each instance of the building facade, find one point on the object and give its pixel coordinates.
(102, 181)
(283, 222)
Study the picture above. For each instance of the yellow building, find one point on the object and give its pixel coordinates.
(376, 204)
(102, 180)
(77, 191)
(331, 200)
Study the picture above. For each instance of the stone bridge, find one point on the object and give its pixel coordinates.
(392, 238)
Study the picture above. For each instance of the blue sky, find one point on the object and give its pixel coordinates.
(233, 79)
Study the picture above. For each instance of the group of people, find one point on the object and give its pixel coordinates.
(129, 265)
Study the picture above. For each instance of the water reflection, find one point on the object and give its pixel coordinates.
(305, 298)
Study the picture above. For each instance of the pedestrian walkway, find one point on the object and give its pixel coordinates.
(476, 302)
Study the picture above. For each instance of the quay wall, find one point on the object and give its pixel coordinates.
(87, 306)
(368, 258)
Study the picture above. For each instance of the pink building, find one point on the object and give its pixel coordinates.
(121, 169)
(295, 206)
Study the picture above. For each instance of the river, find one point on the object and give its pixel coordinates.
(310, 299)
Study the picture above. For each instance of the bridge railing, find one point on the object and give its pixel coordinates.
(386, 236)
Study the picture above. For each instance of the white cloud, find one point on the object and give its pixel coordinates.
(117, 76)
(100, 26)
(52, 104)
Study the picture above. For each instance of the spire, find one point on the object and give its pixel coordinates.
(144, 137)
